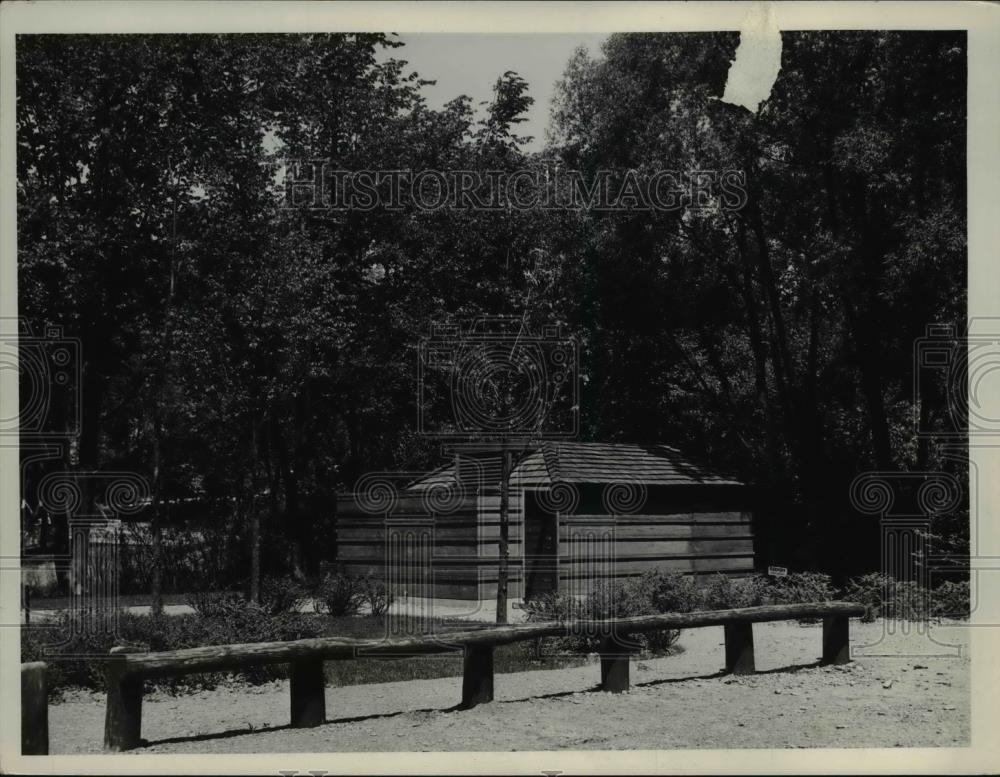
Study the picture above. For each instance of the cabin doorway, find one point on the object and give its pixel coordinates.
(541, 548)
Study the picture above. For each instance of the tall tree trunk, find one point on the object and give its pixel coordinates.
(254, 549)
(780, 356)
(289, 480)
(869, 360)
(775, 465)
(156, 521)
(254, 516)
(87, 458)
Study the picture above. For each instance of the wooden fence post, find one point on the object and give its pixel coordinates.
(308, 693)
(477, 675)
(739, 648)
(836, 640)
(615, 658)
(123, 718)
(34, 709)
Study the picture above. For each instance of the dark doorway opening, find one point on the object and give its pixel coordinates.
(541, 548)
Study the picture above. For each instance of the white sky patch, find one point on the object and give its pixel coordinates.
(758, 59)
(471, 63)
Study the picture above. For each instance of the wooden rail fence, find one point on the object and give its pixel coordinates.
(128, 668)
(34, 709)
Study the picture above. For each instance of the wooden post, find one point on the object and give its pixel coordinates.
(615, 657)
(477, 676)
(34, 709)
(123, 718)
(739, 648)
(836, 640)
(504, 551)
(308, 693)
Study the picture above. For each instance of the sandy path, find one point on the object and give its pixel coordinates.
(907, 699)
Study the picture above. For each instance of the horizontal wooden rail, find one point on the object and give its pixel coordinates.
(212, 657)
(128, 668)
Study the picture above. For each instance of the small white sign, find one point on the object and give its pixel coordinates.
(777, 571)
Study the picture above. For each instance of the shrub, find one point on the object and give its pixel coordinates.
(553, 607)
(867, 590)
(908, 601)
(799, 588)
(951, 600)
(281, 594)
(215, 604)
(557, 607)
(884, 597)
(629, 598)
(724, 593)
(378, 596)
(617, 599)
(71, 653)
(339, 594)
(653, 593)
(669, 591)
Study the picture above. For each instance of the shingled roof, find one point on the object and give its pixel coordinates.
(585, 462)
(593, 462)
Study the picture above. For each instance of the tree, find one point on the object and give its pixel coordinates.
(759, 332)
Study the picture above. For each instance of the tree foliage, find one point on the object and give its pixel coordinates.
(261, 359)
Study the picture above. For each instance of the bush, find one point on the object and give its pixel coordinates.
(617, 599)
(951, 600)
(725, 593)
(71, 655)
(669, 591)
(651, 594)
(557, 607)
(868, 590)
(215, 604)
(799, 588)
(377, 595)
(630, 598)
(553, 607)
(282, 594)
(884, 597)
(908, 601)
(339, 594)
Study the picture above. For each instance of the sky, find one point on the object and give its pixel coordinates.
(470, 63)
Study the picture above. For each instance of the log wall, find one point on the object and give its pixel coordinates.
(455, 555)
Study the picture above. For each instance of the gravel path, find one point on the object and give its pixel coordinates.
(908, 699)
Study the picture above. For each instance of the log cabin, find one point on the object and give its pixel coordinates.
(578, 513)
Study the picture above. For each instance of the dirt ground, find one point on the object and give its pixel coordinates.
(902, 690)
